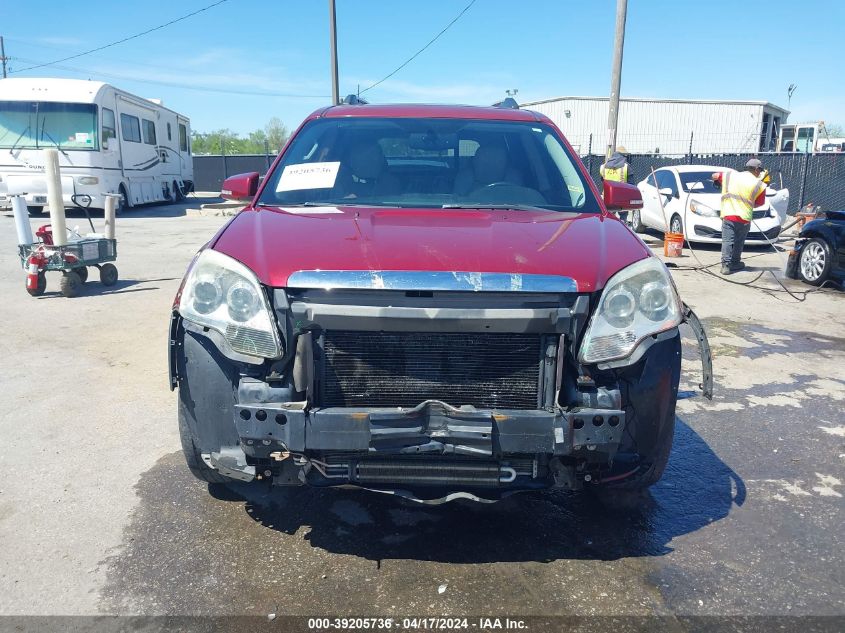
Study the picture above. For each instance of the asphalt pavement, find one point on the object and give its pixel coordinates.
(99, 515)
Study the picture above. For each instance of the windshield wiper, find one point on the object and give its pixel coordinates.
(17, 140)
(513, 207)
(325, 203)
(44, 131)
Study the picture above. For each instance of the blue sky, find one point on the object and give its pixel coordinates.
(676, 49)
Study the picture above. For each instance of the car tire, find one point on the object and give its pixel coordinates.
(178, 194)
(676, 225)
(637, 222)
(815, 262)
(206, 404)
(649, 472)
(82, 271)
(196, 464)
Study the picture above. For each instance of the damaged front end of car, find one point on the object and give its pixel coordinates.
(429, 385)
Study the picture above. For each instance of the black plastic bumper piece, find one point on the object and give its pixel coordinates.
(433, 428)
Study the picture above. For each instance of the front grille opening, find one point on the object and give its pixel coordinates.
(398, 369)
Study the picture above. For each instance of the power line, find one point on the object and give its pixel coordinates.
(109, 57)
(125, 39)
(248, 93)
(414, 56)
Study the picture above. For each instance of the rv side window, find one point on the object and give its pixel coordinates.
(131, 128)
(169, 137)
(149, 132)
(183, 138)
(109, 126)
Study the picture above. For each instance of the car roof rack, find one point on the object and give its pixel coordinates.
(354, 100)
(507, 102)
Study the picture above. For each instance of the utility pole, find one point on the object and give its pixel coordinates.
(3, 55)
(616, 76)
(333, 38)
(789, 92)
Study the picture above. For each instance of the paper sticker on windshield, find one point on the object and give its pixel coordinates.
(81, 137)
(308, 176)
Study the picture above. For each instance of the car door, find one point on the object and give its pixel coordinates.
(838, 230)
(667, 180)
(650, 214)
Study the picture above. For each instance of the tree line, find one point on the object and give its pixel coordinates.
(271, 138)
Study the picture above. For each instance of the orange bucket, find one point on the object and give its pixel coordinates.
(673, 244)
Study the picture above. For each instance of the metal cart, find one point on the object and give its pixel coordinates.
(72, 259)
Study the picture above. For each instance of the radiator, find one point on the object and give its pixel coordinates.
(392, 369)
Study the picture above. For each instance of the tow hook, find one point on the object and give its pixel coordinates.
(706, 385)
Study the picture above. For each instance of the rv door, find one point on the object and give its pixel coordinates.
(184, 147)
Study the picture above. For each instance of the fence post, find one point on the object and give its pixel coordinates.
(804, 169)
(223, 154)
(590, 156)
(689, 154)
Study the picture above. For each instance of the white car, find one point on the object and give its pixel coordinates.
(691, 203)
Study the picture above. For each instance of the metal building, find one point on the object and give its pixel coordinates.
(667, 126)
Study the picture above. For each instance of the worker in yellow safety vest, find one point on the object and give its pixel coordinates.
(741, 192)
(617, 169)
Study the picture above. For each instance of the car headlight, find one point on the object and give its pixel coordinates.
(88, 180)
(224, 295)
(637, 302)
(702, 209)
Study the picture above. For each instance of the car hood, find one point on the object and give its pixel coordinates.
(275, 242)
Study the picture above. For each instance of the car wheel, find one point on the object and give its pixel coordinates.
(815, 262)
(637, 222)
(178, 194)
(649, 473)
(196, 464)
(82, 271)
(206, 404)
(675, 225)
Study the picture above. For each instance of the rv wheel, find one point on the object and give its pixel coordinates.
(122, 203)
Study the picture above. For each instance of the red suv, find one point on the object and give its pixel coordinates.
(430, 301)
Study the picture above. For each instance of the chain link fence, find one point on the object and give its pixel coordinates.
(817, 178)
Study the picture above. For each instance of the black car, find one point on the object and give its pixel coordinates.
(819, 253)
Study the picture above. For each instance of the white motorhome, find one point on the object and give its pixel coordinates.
(109, 141)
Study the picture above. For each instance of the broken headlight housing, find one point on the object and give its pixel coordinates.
(638, 301)
(222, 294)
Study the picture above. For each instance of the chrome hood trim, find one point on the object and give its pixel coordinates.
(430, 280)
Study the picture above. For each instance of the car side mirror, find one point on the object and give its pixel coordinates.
(241, 187)
(666, 191)
(621, 196)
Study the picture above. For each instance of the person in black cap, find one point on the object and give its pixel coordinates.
(741, 192)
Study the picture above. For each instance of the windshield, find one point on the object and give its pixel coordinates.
(36, 125)
(405, 162)
(699, 182)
